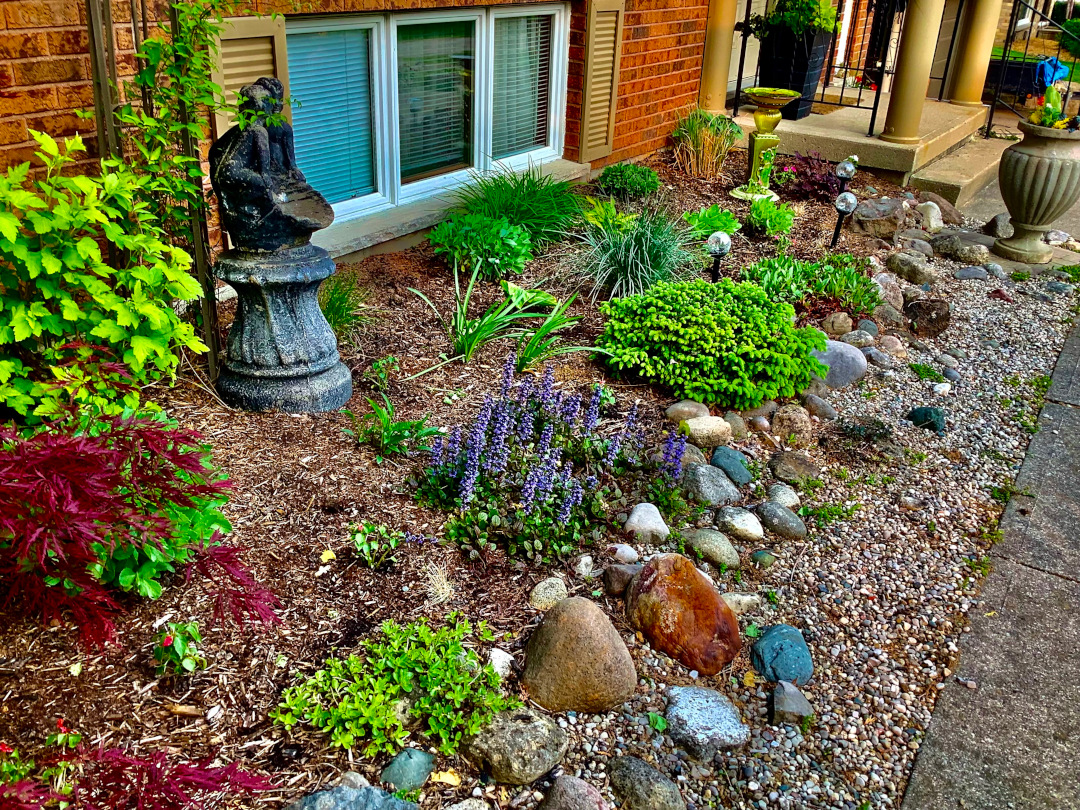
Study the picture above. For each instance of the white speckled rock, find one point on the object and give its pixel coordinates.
(703, 721)
(707, 431)
(647, 525)
(548, 593)
(714, 547)
(741, 524)
(741, 603)
(785, 496)
(501, 661)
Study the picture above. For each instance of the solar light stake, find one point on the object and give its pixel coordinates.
(845, 170)
(718, 245)
(845, 205)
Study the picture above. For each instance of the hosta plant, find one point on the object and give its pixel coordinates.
(726, 344)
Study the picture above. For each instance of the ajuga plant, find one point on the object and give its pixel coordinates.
(546, 208)
(534, 471)
(840, 278)
(727, 344)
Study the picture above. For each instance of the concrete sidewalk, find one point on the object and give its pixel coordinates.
(1014, 741)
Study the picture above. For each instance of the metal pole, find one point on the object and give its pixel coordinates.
(881, 82)
(742, 60)
(103, 79)
(1005, 51)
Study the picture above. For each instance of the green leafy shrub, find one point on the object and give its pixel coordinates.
(769, 218)
(344, 305)
(543, 206)
(375, 543)
(707, 221)
(702, 142)
(628, 181)
(387, 434)
(429, 673)
(58, 288)
(727, 344)
(177, 650)
(841, 278)
(652, 249)
(604, 215)
(798, 16)
(493, 247)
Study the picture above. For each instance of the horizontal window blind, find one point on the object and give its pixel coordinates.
(435, 98)
(330, 76)
(522, 84)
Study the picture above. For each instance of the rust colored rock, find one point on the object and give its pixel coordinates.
(681, 614)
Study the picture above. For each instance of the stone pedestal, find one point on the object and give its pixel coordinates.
(281, 352)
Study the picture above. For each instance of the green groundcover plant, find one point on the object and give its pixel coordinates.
(628, 181)
(727, 344)
(414, 671)
(767, 217)
(707, 221)
(492, 247)
(58, 287)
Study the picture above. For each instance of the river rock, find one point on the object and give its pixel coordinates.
(1000, 227)
(890, 315)
(916, 246)
(741, 603)
(929, 316)
(911, 267)
(868, 326)
(623, 554)
(686, 409)
(548, 593)
(703, 721)
(639, 786)
(576, 660)
(763, 557)
(734, 464)
(836, 323)
(408, 770)
(892, 344)
(646, 524)
(571, 793)
(858, 339)
(518, 746)
(707, 431)
(816, 406)
(714, 547)
(737, 424)
(928, 417)
(890, 291)
(950, 214)
(617, 578)
(781, 654)
(881, 218)
(788, 705)
(708, 485)
(740, 523)
(931, 216)
(343, 797)
(765, 409)
(784, 495)
(969, 253)
(793, 467)
(780, 520)
(845, 363)
(792, 424)
(679, 611)
(970, 274)
(878, 358)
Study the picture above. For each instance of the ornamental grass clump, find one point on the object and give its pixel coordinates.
(545, 207)
(534, 471)
(727, 344)
(702, 142)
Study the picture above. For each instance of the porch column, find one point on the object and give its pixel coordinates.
(716, 64)
(972, 56)
(914, 61)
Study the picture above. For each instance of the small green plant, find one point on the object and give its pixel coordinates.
(1072, 271)
(702, 142)
(766, 217)
(628, 181)
(545, 207)
(627, 262)
(375, 543)
(925, 372)
(914, 457)
(380, 371)
(177, 651)
(828, 513)
(537, 346)
(772, 598)
(491, 248)
(806, 723)
(385, 433)
(415, 671)
(344, 304)
(1006, 492)
(727, 344)
(604, 215)
(707, 221)
(1020, 275)
(753, 631)
(657, 722)
(841, 278)
(798, 16)
(13, 768)
(978, 565)
(809, 485)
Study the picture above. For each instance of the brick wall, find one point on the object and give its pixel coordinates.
(45, 66)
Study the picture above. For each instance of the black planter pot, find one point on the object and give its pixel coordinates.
(793, 62)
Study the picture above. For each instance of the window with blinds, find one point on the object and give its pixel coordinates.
(435, 98)
(330, 76)
(521, 84)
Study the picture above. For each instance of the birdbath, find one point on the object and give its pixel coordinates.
(763, 143)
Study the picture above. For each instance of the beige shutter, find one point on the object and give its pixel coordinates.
(602, 50)
(250, 48)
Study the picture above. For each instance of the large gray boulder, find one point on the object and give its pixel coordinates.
(846, 364)
(639, 786)
(708, 485)
(881, 217)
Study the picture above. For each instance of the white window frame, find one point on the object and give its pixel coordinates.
(384, 92)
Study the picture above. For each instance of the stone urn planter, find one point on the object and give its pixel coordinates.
(1040, 180)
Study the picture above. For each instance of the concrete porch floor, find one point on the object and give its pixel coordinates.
(837, 135)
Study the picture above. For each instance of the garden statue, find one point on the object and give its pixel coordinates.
(281, 353)
(763, 141)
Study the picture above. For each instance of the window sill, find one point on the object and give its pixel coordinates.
(364, 232)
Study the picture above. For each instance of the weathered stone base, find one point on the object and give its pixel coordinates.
(325, 391)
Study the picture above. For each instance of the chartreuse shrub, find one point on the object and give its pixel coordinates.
(767, 217)
(58, 287)
(841, 277)
(543, 206)
(491, 247)
(727, 344)
(628, 181)
(428, 673)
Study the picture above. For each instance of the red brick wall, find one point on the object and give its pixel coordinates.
(45, 66)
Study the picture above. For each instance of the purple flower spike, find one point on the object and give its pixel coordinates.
(502, 419)
(568, 413)
(474, 451)
(591, 482)
(545, 441)
(547, 388)
(592, 413)
(508, 374)
(438, 451)
(528, 490)
(571, 499)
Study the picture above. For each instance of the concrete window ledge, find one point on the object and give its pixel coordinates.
(366, 234)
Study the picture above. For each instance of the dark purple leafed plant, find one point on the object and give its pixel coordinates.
(810, 176)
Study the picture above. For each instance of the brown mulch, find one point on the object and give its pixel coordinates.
(298, 482)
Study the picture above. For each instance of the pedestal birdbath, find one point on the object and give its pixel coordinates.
(281, 353)
(769, 101)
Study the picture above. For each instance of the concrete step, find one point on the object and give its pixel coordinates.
(959, 175)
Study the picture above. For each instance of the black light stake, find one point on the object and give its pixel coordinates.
(845, 170)
(718, 245)
(845, 205)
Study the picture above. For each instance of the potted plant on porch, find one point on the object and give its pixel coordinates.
(1039, 178)
(795, 37)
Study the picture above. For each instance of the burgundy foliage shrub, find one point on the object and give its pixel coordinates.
(810, 176)
(24, 795)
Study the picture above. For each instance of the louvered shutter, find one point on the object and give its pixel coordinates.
(602, 51)
(250, 48)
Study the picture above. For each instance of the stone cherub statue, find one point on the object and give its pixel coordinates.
(266, 203)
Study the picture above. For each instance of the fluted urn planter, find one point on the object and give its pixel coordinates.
(1040, 180)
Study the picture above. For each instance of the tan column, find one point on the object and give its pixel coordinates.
(972, 55)
(719, 35)
(914, 60)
